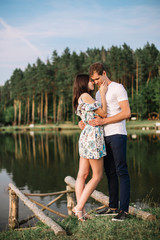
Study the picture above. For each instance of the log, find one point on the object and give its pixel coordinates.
(141, 214)
(101, 207)
(13, 210)
(39, 214)
(31, 217)
(70, 200)
(54, 200)
(100, 197)
(46, 194)
(47, 208)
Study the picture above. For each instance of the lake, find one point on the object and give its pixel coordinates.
(38, 162)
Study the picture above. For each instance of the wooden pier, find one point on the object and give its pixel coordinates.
(100, 197)
(15, 194)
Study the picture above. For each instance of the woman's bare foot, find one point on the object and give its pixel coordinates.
(79, 214)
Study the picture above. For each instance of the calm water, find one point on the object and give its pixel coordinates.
(39, 162)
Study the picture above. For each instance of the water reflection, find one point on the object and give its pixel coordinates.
(39, 162)
(143, 159)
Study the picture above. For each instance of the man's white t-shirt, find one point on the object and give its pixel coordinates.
(115, 94)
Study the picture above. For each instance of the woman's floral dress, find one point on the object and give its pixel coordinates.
(91, 141)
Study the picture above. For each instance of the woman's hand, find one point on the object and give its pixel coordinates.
(102, 111)
(103, 88)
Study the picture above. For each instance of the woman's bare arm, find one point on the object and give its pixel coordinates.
(102, 111)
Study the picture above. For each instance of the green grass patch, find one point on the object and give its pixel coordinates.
(141, 123)
(99, 228)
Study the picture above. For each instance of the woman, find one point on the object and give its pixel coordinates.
(91, 141)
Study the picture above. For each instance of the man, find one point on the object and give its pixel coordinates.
(115, 139)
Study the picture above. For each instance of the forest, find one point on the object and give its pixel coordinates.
(42, 93)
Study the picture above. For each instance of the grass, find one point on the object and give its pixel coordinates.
(139, 124)
(99, 228)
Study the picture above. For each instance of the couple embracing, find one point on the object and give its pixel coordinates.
(102, 141)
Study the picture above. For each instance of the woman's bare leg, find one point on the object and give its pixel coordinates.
(97, 173)
(84, 166)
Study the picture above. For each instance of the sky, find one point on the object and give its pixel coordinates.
(31, 29)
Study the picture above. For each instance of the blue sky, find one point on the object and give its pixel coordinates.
(34, 28)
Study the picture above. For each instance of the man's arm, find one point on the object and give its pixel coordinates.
(124, 114)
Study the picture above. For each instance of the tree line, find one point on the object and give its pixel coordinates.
(42, 93)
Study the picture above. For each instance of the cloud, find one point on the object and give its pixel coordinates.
(77, 27)
(75, 23)
(13, 34)
(15, 50)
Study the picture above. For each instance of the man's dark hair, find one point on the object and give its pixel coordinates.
(96, 67)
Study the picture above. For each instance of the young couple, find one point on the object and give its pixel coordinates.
(102, 146)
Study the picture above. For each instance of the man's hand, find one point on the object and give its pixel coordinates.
(81, 125)
(96, 122)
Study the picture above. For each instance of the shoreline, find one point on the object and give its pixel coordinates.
(144, 125)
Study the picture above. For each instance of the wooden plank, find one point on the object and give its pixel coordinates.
(39, 214)
(100, 197)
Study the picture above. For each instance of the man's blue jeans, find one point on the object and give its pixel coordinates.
(115, 166)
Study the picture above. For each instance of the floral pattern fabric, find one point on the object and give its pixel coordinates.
(91, 141)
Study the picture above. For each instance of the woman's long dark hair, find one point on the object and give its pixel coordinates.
(80, 86)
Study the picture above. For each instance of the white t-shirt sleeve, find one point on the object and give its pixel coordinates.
(121, 93)
(98, 97)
